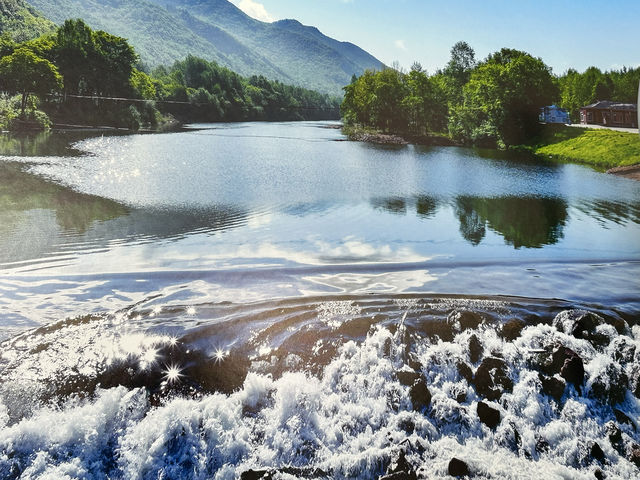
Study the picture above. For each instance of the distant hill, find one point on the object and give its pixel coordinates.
(21, 21)
(163, 31)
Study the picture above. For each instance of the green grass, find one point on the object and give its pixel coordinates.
(602, 149)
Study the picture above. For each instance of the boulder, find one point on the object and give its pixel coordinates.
(465, 371)
(610, 385)
(552, 386)
(542, 445)
(475, 349)
(420, 395)
(634, 456)
(512, 329)
(579, 323)
(488, 415)
(622, 417)
(458, 392)
(634, 383)
(458, 468)
(492, 379)
(569, 364)
(462, 320)
(599, 474)
(613, 433)
(596, 452)
(255, 475)
(623, 350)
(441, 329)
(407, 378)
(400, 470)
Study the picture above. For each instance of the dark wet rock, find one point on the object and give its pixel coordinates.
(618, 323)
(552, 386)
(569, 364)
(599, 474)
(400, 470)
(634, 383)
(407, 378)
(596, 452)
(634, 456)
(622, 417)
(414, 363)
(459, 393)
(441, 329)
(458, 468)
(623, 350)
(492, 379)
(579, 323)
(512, 329)
(610, 386)
(510, 438)
(488, 415)
(407, 425)
(420, 395)
(542, 445)
(614, 433)
(465, 371)
(399, 476)
(462, 320)
(475, 349)
(255, 475)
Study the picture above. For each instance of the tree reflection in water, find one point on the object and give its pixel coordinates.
(529, 222)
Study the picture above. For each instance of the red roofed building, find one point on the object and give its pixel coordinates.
(612, 114)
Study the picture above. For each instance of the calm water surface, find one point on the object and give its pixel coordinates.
(296, 272)
(246, 212)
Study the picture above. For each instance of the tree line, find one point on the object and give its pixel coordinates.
(78, 75)
(493, 102)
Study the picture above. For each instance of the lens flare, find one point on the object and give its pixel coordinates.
(173, 373)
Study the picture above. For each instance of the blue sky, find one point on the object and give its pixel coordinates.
(578, 33)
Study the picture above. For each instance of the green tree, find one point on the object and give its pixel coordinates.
(24, 73)
(458, 71)
(503, 97)
(142, 85)
(94, 63)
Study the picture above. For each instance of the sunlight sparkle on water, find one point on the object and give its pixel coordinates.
(173, 373)
(148, 358)
(219, 354)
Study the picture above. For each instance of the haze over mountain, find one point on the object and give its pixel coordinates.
(163, 31)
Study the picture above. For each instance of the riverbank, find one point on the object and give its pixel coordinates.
(612, 151)
(371, 135)
(602, 149)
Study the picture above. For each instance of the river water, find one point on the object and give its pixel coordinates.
(242, 296)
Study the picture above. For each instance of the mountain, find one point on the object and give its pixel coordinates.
(163, 31)
(21, 21)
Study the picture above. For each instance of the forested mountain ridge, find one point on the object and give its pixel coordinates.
(163, 31)
(21, 21)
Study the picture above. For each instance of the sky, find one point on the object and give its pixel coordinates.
(565, 34)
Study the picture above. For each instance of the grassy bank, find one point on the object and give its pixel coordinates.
(602, 149)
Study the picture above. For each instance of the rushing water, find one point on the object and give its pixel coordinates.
(242, 296)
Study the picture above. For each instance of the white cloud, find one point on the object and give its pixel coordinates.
(254, 9)
(400, 44)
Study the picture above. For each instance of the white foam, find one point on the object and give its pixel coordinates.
(350, 422)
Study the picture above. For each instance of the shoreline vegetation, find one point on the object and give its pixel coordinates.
(605, 150)
(78, 78)
(83, 77)
(493, 103)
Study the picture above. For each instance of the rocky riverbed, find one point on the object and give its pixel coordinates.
(450, 387)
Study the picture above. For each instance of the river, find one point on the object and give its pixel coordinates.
(231, 297)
